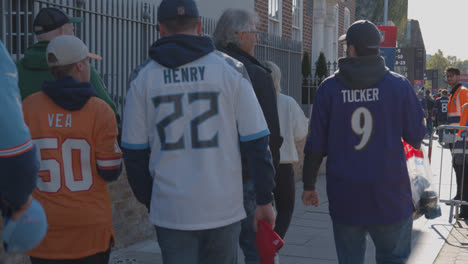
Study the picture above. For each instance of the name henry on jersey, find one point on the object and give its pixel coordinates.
(184, 74)
(360, 96)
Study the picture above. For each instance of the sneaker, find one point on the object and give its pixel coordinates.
(463, 212)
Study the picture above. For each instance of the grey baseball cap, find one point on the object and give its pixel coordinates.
(68, 50)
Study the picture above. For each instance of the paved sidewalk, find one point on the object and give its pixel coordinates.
(310, 236)
(455, 251)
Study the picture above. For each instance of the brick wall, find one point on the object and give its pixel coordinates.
(261, 8)
(351, 5)
(130, 218)
(307, 26)
(286, 15)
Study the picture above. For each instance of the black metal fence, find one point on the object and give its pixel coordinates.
(311, 84)
(287, 55)
(121, 31)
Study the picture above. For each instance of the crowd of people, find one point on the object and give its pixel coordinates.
(208, 141)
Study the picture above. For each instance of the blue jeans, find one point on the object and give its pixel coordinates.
(247, 234)
(392, 242)
(440, 133)
(218, 245)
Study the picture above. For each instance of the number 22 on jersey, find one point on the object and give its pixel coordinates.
(362, 124)
(176, 100)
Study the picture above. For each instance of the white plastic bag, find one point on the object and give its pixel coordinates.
(420, 174)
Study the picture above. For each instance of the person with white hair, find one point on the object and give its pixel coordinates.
(236, 35)
(293, 126)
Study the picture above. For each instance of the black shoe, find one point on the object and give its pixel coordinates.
(463, 214)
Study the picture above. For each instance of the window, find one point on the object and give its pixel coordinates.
(297, 20)
(347, 19)
(274, 17)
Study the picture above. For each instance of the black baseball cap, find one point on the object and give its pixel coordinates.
(51, 18)
(363, 34)
(172, 9)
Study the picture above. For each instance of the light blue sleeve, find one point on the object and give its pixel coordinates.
(14, 135)
(17, 154)
(134, 134)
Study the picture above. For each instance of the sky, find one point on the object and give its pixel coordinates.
(443, 25)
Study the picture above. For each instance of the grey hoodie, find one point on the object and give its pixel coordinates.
(361, 72)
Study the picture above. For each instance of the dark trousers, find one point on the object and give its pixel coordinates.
(98, 258)
(284, 197)
(460, 175)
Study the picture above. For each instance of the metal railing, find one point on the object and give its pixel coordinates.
(287, 54)
(121, 31)
(454, 204)
(311, 83)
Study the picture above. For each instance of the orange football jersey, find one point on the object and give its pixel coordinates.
(71, 146)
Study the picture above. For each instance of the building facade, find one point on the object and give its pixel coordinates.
(315, 23)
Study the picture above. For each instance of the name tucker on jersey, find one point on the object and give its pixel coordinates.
(361, 95)
(184, 74)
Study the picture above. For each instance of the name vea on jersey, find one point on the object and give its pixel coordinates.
(362, 95)
(184, 74)
(59, 120)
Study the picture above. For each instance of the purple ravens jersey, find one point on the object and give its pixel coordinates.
(361, 131)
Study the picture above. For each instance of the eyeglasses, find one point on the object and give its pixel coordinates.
(257, 34)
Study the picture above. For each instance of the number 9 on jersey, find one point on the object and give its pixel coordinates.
(362, 124)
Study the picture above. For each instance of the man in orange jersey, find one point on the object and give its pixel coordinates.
(75, 135)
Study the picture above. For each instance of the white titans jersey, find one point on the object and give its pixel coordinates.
(192, 118)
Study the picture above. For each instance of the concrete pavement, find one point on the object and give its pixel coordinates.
(310, 236)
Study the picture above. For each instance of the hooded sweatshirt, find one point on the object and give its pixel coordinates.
(33, 70)
(360, 116)
(77, 130)
(173, 52)
(361, 72)
(72, 95)
(177, 50)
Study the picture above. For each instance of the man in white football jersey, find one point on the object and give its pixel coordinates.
(190, 112)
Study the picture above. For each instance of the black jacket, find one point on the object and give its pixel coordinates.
(264, 88)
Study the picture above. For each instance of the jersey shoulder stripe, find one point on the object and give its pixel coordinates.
(235, 64)
(109, 164)
(137, 70)
(17, 150)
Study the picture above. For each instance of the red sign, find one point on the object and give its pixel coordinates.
(463, 77)
(388, 36)
(419, 82)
